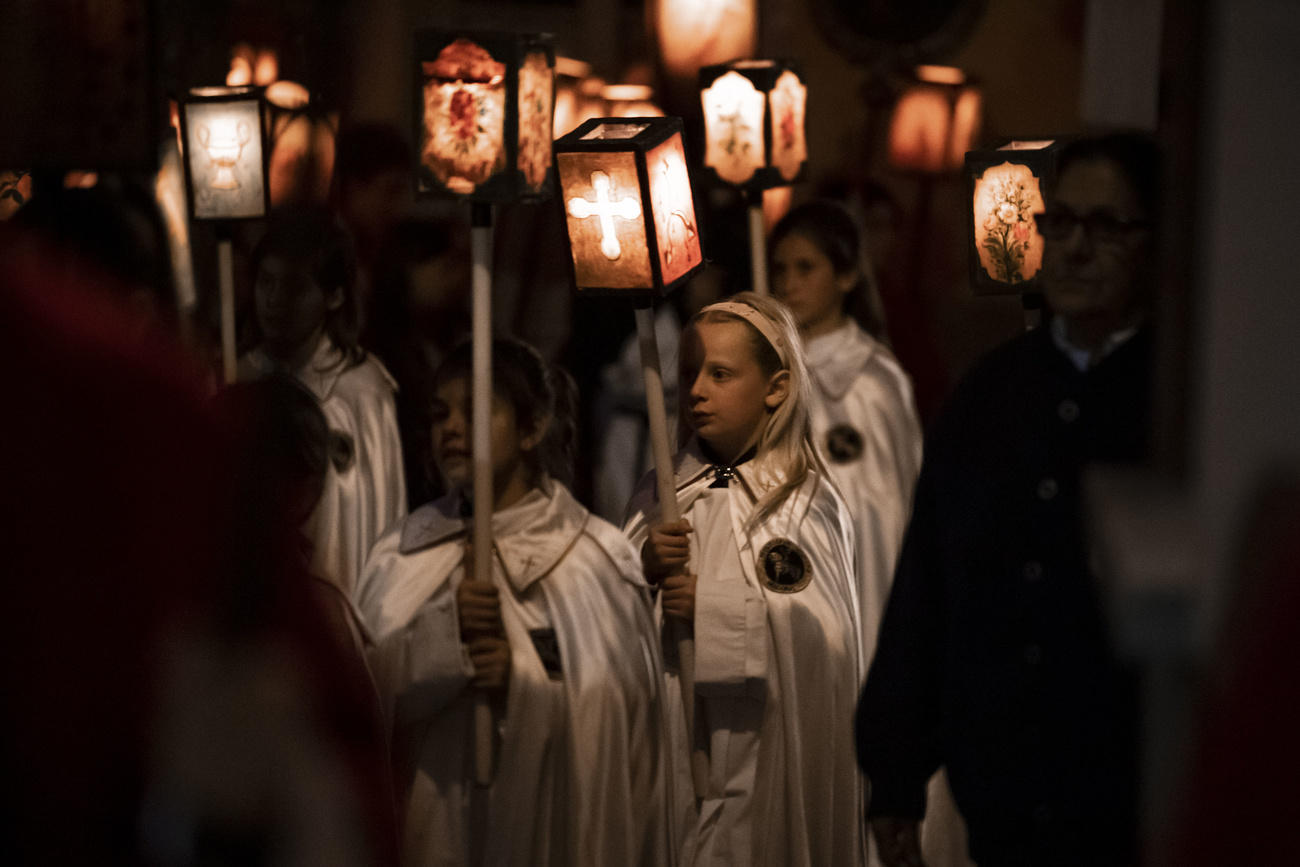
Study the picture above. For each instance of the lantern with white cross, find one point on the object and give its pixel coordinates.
(632, 230)
(626, 193)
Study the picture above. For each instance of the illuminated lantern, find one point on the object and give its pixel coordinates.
(224, 136)
(935, 122)
(626, 194)
(630, 100)
(1007, 187)
(577, 94)
(694, 33)
(484, 115)
(754, 123)
(301, 165)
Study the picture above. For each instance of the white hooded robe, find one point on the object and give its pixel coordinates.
(580, 777)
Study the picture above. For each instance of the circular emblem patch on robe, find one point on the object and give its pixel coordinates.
(843, 443)
(784, 567)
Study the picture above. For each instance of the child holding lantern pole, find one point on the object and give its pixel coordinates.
(562, 641)
(762, 565)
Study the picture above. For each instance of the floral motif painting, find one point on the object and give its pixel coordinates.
(463, 138)
(536, 98)
(1006, 198)
(733, 111)
(789, 146)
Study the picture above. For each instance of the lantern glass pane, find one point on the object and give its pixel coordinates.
(1006, 198)
(536, 107)
(614, 131)
(918, 135)
(733, 121)
(789, 99)
(606, 220)
(224, 149)
(965, 126)
(676, 232)
(463, 132)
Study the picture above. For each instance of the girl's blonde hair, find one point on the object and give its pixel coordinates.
(787, 435)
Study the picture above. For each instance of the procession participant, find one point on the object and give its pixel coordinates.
(761, 565)
(864, 420)
(562, 642)
(306, 327)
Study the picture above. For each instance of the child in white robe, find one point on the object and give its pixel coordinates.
(864, 421)
(761, 566)
(306, 327)
(562, 642)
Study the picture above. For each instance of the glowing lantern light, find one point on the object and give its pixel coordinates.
(1007, 187)
(576, 99)
(935, 122)
(223, 129)
(628, 205)
(485, 115)
(695, 33)
(630, 100)
(754, 122)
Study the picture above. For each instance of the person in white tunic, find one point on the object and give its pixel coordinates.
(761, 566)
(562, 642)
(864, 421)
(306, 327)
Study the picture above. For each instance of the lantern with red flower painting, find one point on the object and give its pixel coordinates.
(484, 115)
(1007, 186)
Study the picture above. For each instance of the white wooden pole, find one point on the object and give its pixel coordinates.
(481, 251)
(758, 244)
(226, 279)
(668, 512)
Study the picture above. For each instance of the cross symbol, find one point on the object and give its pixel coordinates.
(607, 210)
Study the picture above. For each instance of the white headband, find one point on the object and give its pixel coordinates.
(755, 318)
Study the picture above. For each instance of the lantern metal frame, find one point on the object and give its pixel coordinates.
(763, 73)
(657, 131)
(1042, 164)
(511, 49)
(211, 95)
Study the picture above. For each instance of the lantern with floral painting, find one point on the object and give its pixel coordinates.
(626, 194)
(935, 121)
(1007, 186)
(484, 115)
(754, 123)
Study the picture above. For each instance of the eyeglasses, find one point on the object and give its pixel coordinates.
(1101, 226)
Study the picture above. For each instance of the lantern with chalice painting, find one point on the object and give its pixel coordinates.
(1007, 186)
(626, 193)
(224, 134)
(754, 123)
(484, 114)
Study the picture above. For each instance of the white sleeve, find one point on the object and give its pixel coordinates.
(423, 667)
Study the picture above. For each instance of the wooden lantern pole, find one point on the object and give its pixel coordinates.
(481, 343)
(668, 512)
(226, 282)
(757, 242)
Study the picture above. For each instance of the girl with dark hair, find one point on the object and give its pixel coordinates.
(761, 567)
(561, 643)
(864, 422)
(306, 327)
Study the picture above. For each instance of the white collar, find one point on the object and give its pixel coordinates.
(319, 374)
(1085, 359)
(530, 537)
(835, 359)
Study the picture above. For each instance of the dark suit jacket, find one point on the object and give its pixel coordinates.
(993, 657)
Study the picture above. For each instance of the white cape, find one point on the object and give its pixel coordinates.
(799, 652)
(365, 489)
(580, 777)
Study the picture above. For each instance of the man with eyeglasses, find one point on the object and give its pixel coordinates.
(993, 658)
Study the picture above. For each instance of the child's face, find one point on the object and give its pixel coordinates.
(291, 306)
(726, 397)
(453, 434)
(804, 278)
